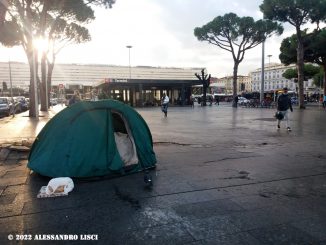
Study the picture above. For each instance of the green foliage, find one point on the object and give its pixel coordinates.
(289, 47)
(295, 12)
(318, 47)
(313, 45)
(10, 34)
(230, 31)
(236, 35)
(318, 79)
(309, 72)
(290, 74)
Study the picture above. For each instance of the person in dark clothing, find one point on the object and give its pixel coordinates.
(236, 99)
(217, 100)
(283, 105)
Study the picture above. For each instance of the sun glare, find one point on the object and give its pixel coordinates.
(41, 45)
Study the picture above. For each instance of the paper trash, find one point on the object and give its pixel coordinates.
(56, 187)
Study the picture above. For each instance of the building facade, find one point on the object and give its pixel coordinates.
(225, 84)
(133, 85)
(274, 80)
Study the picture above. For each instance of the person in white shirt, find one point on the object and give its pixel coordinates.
(165, 104)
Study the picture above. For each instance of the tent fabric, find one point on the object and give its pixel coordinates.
(79, 141)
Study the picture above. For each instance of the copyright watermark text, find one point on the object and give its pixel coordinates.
(53, 237)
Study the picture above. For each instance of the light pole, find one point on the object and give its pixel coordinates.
(262, 73)
(10, 78)
(129, 47)
(269, 59)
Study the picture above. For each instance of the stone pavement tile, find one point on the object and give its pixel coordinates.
(13, 155)
(7, 199)
(78, 220)
(163, 188)
(306, 207)
(10, 210)
(4, 154)
(75, 199)
(283, 234)
(205, 195)
(116, 232)
(165, 234)
(210, 227)
(150, 217)
(16, 173)
(207, 209)
(272, 215)
(13, 181)
(11, 162)
(13, 224)
(242, 238)
(315, 226)
(15, 166)
(18, 189)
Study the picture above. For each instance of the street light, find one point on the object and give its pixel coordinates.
(129, 47)
(261, 97)
(10, 78)
(269, 59)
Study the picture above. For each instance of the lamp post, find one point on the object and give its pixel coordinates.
(10, 78)
(262, 73)
(129, 47)
(269, 59)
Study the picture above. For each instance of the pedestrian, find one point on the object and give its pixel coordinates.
(13, 107)
(192, 101)
(283, 105)
(165, 104)
(324, 102)
(217, 100)
(75, 98)
(236, 99)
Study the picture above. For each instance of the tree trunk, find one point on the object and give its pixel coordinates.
(49, 75)
(43, 89)
(204, 93)
(33, 104)
(235, 79)
(300, 68)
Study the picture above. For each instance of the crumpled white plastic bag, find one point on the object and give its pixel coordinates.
(60, 185)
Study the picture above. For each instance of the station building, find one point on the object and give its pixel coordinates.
(137, 86)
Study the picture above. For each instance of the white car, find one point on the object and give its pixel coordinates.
(242, 101)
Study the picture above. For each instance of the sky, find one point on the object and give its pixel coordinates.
(161, 34)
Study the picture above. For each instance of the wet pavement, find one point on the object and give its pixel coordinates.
(224, 176)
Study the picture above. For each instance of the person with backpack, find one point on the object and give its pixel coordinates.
(283, 106)
(165, 104)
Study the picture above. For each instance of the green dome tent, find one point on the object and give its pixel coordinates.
(93, 139)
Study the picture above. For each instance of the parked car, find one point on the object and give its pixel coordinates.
(242, 101)
(53, 101)
(294, 100)
(21, 104)
(5, 106)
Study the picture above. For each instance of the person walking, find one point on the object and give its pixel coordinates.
(217, 100)
(235, 102)
(283, 106)
(324, 101)
(165, 104)
(192, 101)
